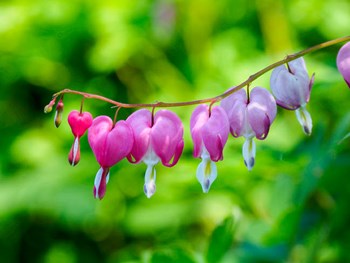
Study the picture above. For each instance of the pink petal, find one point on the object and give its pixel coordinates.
(215, 133)
(79, 122)
(140, 122)
(263, 97)
(234, 106)
(343, 62)
(110, 144)
(167, 137)
(261, 111)
(291, 89)
(97, 135)
(199, 118)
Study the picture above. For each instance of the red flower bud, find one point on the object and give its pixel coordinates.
(48, 107)
(59, 111)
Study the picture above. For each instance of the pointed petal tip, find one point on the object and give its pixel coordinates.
(96, 194)
(206, 185)
(149, 189)
(306, 130)
(250, 163)
(304, 119)
(100, 183)
(249, 152)
(74, 153)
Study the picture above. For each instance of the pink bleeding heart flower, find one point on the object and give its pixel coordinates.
(343, 62)
(157, 138)
(250, 117)
(291, 87)
(110, 143)
(79, 123)
(209, 131)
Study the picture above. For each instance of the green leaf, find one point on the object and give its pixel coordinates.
(221, 240)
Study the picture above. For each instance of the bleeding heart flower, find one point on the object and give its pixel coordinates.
(79, 123)
(157, 138)
(343, 62)
(209, 132)
(291, 87)
(250, 118)
(110, 144)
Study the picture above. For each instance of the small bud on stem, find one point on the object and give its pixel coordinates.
(59, 111)
(48, 107)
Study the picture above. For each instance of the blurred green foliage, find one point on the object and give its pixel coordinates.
(293, 206)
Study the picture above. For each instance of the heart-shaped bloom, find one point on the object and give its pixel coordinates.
(79, 122)
(250, 118)
(110, 144)
(291, 87)
(157, 138)
(343, 62)
(209, 132)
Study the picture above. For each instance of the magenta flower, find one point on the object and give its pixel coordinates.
(291, 87)
(110, 144)
(209, 132)
(343, 62)
(157, 138)
(250, 118)
(79, 122)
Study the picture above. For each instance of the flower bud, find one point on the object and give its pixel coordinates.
(48, 107)
(58, 114)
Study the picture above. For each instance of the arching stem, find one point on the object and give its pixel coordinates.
(212, 99)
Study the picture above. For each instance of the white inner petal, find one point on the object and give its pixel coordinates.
(150, 181)
(75, 149)
(150, 159)
(107, 178)
(97, 181)
(249, 151)
(304, 119)
(206, 171)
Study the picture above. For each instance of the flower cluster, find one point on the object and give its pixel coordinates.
(152, 137)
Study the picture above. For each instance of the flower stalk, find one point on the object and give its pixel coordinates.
(218, 98)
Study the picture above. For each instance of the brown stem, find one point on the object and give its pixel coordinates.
(213, 99)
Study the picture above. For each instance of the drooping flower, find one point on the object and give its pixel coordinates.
(343, 62)
(157, 138)
(79, 123)
(110, 144)
(250, 118)
(291, 87)
(209, 131)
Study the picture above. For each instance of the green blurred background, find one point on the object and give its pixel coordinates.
(292, 207)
